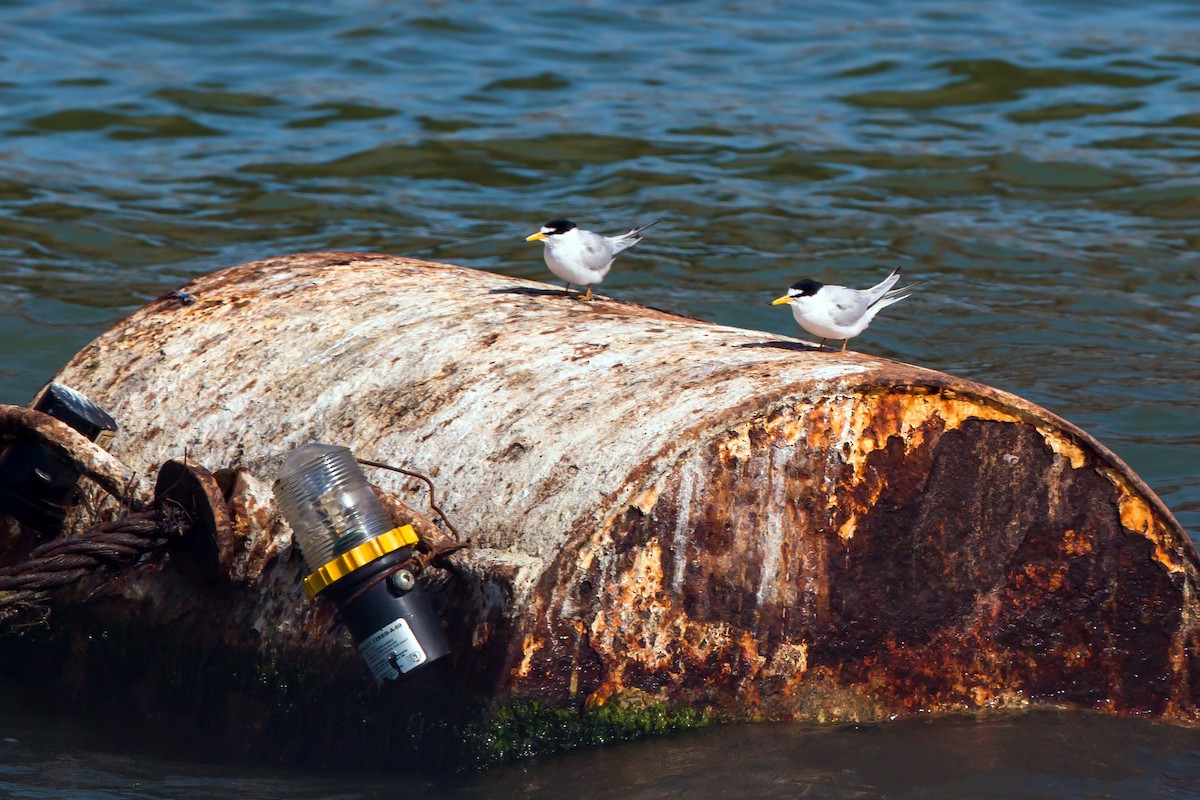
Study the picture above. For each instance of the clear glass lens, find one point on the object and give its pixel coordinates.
(325, 497)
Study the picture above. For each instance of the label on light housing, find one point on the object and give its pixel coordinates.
(392, 650)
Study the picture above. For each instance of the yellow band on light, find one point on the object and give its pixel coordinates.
(360, 556)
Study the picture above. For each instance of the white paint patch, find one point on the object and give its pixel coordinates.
(774, 514)
(683, 522)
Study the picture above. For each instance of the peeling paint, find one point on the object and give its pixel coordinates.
(1063, 447)
(1136, 515)
(663, 508)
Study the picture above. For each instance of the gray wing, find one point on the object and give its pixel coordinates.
(598, 251)
(847, 306)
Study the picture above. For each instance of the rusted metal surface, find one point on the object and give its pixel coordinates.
(186, 501)
(25, 423)
(661, 508)
(956, 561)
(26, 586)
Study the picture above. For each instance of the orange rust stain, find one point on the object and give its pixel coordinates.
(640, 626)
(982, 696)
(1034, 579)
(636, 620)
(846, 531)
(1077, 543)
(866, 422)
(992, 697)
(737, 446)
(1137, 516)
(529, 648)
(789, 663)
(855, 426)
(876, 417)
(1063, 447)
(748, 645)
(646, 501)
(601, 696)
(638, 630)
(1076, 656)
(1058, 577)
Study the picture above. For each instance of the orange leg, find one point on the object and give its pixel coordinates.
(844, 343)
(588, 296)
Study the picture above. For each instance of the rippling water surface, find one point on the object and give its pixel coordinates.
(1038, 161)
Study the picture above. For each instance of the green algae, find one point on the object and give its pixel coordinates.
(523, 728)
(203, 696)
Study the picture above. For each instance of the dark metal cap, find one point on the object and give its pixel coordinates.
(65, 404)
(37, 485)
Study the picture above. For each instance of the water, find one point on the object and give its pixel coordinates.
(1046, 755)
(1037, 160)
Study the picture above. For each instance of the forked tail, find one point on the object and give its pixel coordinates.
(633, 237)
(896, 295)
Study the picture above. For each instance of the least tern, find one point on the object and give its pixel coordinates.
(838, 312)
(579, 256)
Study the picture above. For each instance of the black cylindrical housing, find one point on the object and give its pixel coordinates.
(36, 485)
(395, 630)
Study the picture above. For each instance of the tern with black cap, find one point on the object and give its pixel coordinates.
(839, 312)
(582, 257)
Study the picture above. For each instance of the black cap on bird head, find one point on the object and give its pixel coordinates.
(804, 288)
(558, 226)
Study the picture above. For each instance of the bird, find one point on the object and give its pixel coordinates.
(582, 257)
(839, 312)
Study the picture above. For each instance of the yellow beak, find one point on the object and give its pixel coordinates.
(780, 301)
(537, 237)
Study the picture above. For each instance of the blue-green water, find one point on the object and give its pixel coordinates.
(1038, 160)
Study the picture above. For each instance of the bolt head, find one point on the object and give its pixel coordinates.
(403, 581)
